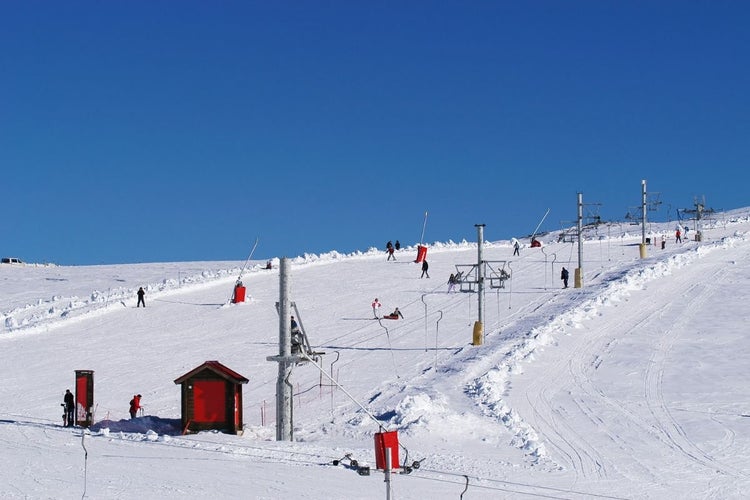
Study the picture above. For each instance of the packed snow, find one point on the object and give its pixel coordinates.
(633, 385)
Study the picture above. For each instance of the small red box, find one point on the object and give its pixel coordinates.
(385, 440)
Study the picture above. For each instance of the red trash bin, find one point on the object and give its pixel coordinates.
(421, 253)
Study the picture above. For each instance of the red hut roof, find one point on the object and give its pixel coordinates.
(218, 369)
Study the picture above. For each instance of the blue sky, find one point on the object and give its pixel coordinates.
(179, 131)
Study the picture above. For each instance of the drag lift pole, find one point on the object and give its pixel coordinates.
(424, 226)
(540, 223)
(239, 278)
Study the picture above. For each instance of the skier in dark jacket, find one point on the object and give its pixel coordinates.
(425, 266)
(451, 282)
(564, 277)
(398, 245)
(70, 406)
(396, 314)
(141, 294)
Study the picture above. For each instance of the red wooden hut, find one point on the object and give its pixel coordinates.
(212, 398)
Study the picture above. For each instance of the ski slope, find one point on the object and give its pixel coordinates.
(633, 386)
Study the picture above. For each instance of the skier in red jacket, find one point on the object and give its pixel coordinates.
(135, 405)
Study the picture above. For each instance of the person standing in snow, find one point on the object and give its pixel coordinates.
(375, 307)
(516, 248)
(451, 282)
(398, 245)
(677, 234)
(425, 266)
(135, 405)
(390, 254)
(564, 277)
(141, 295)
(70, 405)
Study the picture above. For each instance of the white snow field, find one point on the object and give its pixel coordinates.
(632, 386)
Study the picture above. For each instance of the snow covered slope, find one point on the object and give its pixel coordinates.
(633, 386)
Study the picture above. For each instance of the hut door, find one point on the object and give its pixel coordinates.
(84, 397)
(209, 401)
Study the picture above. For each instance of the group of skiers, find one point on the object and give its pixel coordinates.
(376, 305)
(678, 234)
(70, 408)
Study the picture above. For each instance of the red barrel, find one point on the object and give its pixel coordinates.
(239, 294)
(421, 253)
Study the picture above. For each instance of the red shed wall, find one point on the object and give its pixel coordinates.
(209, 401)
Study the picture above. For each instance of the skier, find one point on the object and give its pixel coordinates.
(398, 245)
(451, 282)
(677, 233)
(135, 405)
(375, 306)
(295, 326)
(564, 277)
(141, 294)
(69, 404)
(395, 315)
(425, 266)
(390, 254)
(516, 248)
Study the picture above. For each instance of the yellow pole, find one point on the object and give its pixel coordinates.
(478, 330)
(579, 278)
(643, 250)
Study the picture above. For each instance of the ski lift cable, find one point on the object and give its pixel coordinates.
(368, 413)
(255, 245)
(239, 277)
(510, 287)
(465, 487)
(390, 347)
(85, 462)
(540, 223)
(509, 486)
(424, 226)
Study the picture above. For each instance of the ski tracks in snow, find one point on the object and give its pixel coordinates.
(573, 385)
(653, 383)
